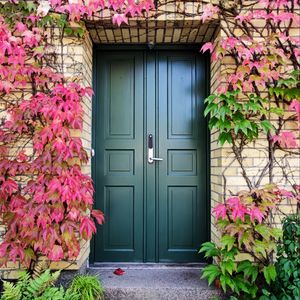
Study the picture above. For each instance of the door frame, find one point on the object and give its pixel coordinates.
(144, 47)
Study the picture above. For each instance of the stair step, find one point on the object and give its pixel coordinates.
(154, 282)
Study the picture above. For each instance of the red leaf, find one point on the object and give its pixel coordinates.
(98, 215)
(56, 253)
(119, 271)
(87, 228)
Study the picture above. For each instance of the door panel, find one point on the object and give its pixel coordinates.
(181, 141)
(154, 212)
(119, 159)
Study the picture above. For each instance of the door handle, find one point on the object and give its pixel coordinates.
(151, 159)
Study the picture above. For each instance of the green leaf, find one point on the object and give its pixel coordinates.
(227, 241)
(207, 246)
(224, 124)
(276, 232)
(213, 122)
(241, 284)
(260, 247)
(222, 223)
(263, 230)
(225, 281)
(266, 126)
(249, 269)
(68, 30)
(230, 254)
(224, 111)
(269, 273)
(225, 137)
(31, 6)
(227, 267)
(277, 110)
(210, 249)
(210, 98)
(211, 272)
(210, 107)
(79, 31)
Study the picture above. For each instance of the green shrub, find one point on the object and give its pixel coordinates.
(243, 264)
(287, 284)
(88, 287)
(38, 288)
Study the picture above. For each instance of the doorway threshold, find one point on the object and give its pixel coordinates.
(132, 265)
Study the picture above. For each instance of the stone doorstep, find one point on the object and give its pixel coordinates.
(154, 282)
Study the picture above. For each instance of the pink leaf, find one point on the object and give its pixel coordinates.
(239, 212)
(89, 91)
(208, 12)
(286, 193)
(99, 216)
(207, 46)
(220, 211)
(21, 27)
(119, 19)
(255, 213)
(234, 201)
(56, 253)
(87, 228)
(295, 105)
(286, 139)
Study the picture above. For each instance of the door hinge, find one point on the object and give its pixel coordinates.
(92, 152)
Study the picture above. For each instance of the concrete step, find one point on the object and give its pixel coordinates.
(154, 282)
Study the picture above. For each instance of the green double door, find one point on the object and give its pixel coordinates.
(150, 101)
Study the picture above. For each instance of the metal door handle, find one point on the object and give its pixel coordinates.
(151, 159)
(157, 158)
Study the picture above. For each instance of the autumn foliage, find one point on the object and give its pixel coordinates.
(45, 199)
(259, 95)
(256, 107)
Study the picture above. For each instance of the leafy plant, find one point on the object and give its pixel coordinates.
(244, 257)
(257, 97)
(44, 195)
(233, 117)
(287, 284)
(88, 287)
(39, 288)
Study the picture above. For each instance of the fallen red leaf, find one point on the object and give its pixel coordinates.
(119, 272)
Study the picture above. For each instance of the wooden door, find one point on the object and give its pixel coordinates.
(154, 212)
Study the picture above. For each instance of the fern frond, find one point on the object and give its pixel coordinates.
(38, 285)
(10, 291)
(39, 268)
(39, 288)
(55, 293)
(52, 293)
(23, 281)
